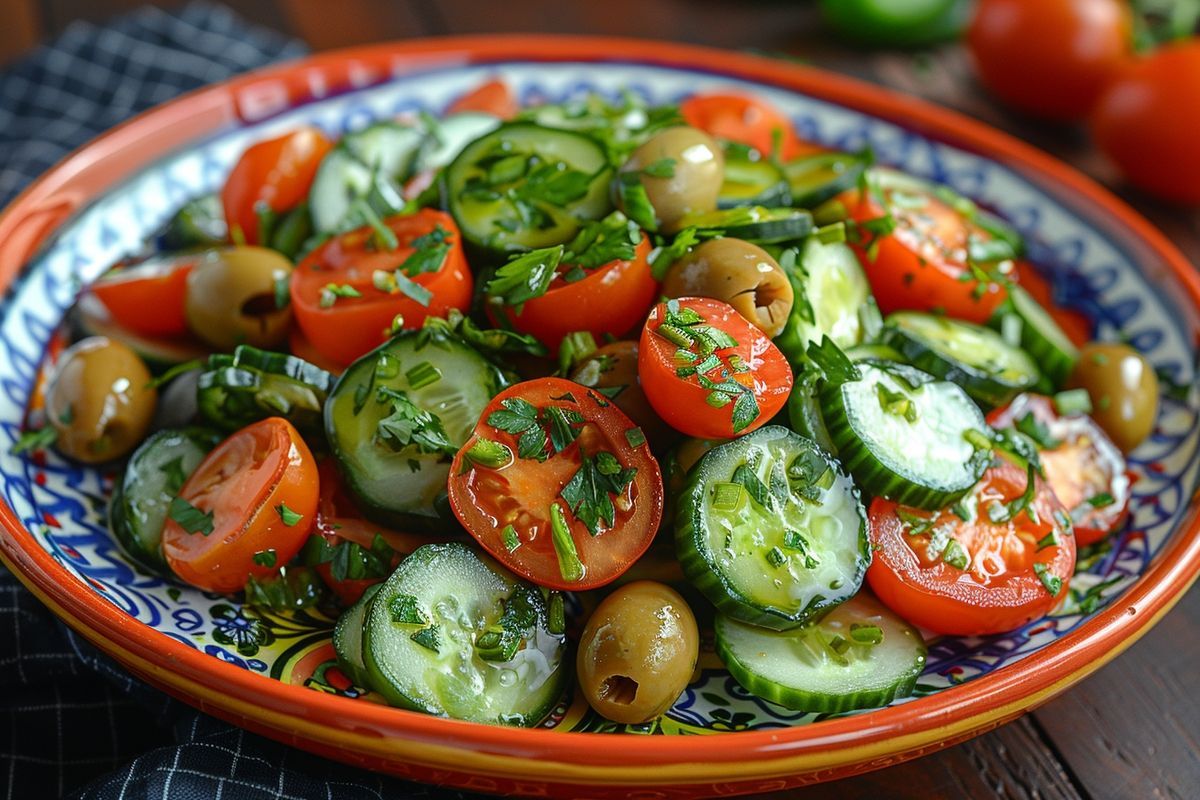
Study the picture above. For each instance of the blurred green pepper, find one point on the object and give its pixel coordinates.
(897, 23)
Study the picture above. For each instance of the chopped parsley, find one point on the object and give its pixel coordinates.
(428, 638)
(265, 558)
(190, 518)
(590, 492)
(409, 425)
(1037, 430)
(429, 251)
(614, 238)
(536, 428)
(524, 277)
(289, 517)
(915, 524)
(349, 561)
(174, 474)
(406, 610)
(836, 368)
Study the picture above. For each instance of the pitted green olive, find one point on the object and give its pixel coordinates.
(694, 168)
(99, 401)
(1123, 388)
(232, 298)
(739, 273)
(637, 652)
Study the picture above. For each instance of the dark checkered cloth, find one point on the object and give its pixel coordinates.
(74, 723)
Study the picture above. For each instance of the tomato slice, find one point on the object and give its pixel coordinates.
(707, 371)
(748, 120)
(276, 173)
(148, 298)
(343, 327)
(610, 300)
(493, 97)
(978, 577)
(572, 456)
(922, 264)
(244, 494)
(1084, 468)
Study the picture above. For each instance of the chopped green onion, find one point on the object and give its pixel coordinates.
(635, 437)
(728, 496)
(675, 335)
(422, 375)
(838, 644)
(1101, 500)
(510, 538)
(866, 634)
(265, 558)
(488, 453)
(332, 291)
(569, 565)
(1049, 540)
(575, 347)
(289, 517)
(1052, 583)
(1073, 401)
(717, 399)
(1010, 329)
(833, 233)
(556, 617)
(775, 557)
(956, 555)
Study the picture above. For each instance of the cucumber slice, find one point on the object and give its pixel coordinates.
(370, 164)
(89, 317)
(155, 473)
(1041, 336)
(824, 667)
(771, 530)
(451, 135)
(752, 181)
(424, 641)
(524, 186)
(804, 411)
(348, 638)
(252, 384)
(815, 179)
(400, 488)
(880, 352)
(831, 298)
(906, 436)
(976, 358)
(752, 224)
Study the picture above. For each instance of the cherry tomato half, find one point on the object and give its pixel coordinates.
(341, 324)
(987, 577)
(493, 97)
(1050, 58)
(276, 173)
(558, 485)
(610, 300)
(922, 264)
(707, 371)
(1146, 121)
(748, 120)
(244, 494)
(1084, 468)
(148, 298)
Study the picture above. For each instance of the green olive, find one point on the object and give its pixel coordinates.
(695, 168)
(638, 652)
(614, 367)
(739, 273)
(99, 400)
(231, 298)
(1123, 388)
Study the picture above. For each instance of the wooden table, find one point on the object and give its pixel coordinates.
(1130, 731)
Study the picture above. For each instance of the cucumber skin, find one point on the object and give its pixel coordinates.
(817, 702)
(808, 196)
(979, 385)
(1056, 363)
(690, 548)
(876, 478)
(119, 515)
(354, 671)
(804, 414)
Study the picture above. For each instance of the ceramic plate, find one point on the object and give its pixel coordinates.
(275, 674)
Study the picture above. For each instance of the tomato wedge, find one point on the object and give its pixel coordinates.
(610, 300)
(973, 577)
(342, 310)
(707, 371)
(558, 485)
(277, 174)
(922, 264)
(748, 120)
(493, 97)
(148, 297)
(246, 510)
(1084, 468)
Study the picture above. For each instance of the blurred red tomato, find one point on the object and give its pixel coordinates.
(1148, 120)
(1050, 58)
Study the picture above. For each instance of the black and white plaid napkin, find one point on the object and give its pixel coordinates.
(72, 722)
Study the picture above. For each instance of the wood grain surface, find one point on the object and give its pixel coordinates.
(1130, 731)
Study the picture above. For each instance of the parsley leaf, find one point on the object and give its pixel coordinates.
(410, 425)
(175, 476)
(662, 257)
(287, 515)
(524, 277)
(590, 492)
(190, 518)
(614, 238)
(265, 558)
(835, 367)
(515, 416)
(1037, 430)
